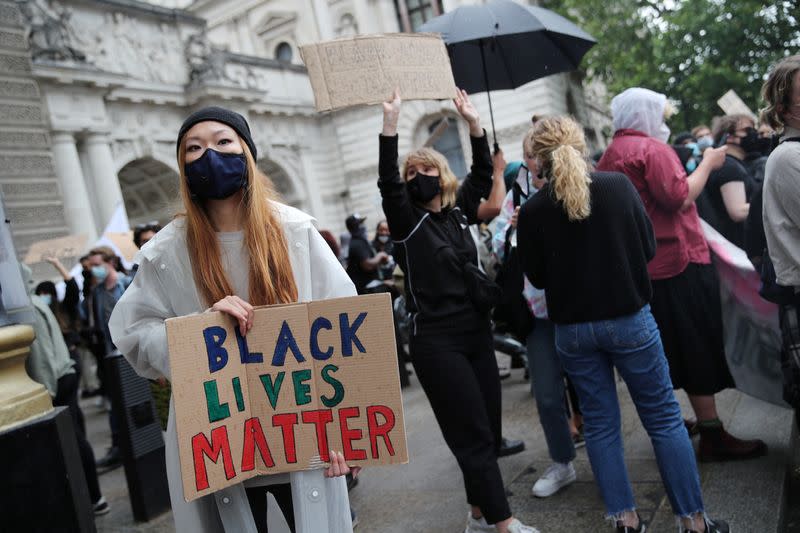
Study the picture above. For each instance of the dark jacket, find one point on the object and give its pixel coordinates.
(431, 248)
(592, 269)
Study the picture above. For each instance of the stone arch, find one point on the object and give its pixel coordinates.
(451, 141)
(150, 190)
(291, 192)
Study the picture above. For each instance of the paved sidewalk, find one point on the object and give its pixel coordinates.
(427, 494)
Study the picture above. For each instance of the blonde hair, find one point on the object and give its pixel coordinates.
(777, 91)
(431, 158)
(559, 144)
(271, 278)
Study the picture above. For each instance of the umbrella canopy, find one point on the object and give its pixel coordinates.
(518, 44)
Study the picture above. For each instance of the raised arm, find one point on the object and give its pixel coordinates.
(397, 207)
(491, 208)
(713, 158)
(478, 183)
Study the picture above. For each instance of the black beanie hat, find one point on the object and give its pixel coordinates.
(225, 116)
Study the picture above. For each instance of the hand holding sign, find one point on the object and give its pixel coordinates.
(238, 309)
(391, 114)
(339, 466)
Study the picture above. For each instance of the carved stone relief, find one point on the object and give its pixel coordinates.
(51, 33)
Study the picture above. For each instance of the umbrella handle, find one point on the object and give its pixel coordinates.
(496, 147)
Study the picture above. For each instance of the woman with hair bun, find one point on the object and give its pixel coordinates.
(586, 239)
(233, 248)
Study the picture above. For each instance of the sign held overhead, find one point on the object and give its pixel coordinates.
(70, 247)
(364, 70)
(731, 104)
(307, 379)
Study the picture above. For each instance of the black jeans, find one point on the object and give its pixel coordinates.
(67, 396)
(458, 373)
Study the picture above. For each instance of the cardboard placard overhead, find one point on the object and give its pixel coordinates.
(69, 247)
(731, 104)
(308, 378)
(364, 70)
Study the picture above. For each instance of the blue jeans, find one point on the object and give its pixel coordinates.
(589, 352)
(547, 386)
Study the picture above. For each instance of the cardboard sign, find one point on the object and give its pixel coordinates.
(365, 70)
(124, 243)
(733, 105)
(308, 378)
(63, 248)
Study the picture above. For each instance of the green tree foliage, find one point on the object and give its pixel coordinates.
(691, 50)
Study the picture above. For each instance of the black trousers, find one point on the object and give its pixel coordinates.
(459, 376)
(257, 497)
(67, 396)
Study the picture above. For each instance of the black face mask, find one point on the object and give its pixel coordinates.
(216, 175)
(753, 145)
(424, 188)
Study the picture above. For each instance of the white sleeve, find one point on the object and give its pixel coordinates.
(501, 223)
(137, 323)
(328, 277)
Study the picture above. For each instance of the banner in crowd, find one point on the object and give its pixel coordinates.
(306, 379)
(752, 332)
(364, 70)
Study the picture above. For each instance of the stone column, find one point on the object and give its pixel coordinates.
(77, 209)
(323, 16)
(245, 36)
(106, 183)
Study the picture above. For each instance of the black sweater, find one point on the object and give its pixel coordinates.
(431, 248)
(593, 269)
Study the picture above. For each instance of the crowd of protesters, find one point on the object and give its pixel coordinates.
(597, 266)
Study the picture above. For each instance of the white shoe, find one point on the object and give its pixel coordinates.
(518, 527)
(478, 525)
(556, 477)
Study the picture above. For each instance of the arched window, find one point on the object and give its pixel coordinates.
(347, 26)
(448, 143)
(284, 53)
(414, 13)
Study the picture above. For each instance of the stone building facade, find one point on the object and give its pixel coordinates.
(93, 92)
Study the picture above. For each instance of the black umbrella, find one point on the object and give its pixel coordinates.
(502, 45)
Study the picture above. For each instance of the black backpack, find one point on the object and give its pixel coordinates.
(512, 314)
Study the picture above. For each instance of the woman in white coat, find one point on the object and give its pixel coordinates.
(233, 248)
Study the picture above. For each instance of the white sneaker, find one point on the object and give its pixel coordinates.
(556, 477)
(518, 527)
(478, 525)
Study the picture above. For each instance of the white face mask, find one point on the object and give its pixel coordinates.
(383, 239)
(663, 133)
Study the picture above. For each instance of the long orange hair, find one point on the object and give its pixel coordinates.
(270, 273)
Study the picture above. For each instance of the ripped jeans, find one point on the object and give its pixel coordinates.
(589, 352)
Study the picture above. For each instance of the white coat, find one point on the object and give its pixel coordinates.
(164, 288)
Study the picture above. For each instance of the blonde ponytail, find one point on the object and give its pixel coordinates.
(570, 182)
(559, 144)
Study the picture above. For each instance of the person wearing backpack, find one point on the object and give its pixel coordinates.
(781, 211)
(526, 315)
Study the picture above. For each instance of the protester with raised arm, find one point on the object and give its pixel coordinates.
(449, 298)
